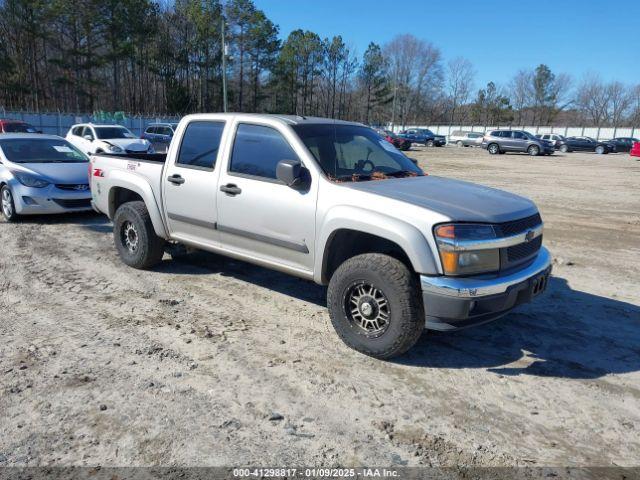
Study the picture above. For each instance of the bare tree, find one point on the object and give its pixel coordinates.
(520, 90)
(620, 101)
(460, 81)
(605, 103)
(635, 106)
(416, 75)
(592, 98)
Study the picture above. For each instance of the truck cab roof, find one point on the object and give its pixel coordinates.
(286, 119)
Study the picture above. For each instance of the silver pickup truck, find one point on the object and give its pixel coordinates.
(332, 202)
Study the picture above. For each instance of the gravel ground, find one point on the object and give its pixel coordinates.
(210, 361)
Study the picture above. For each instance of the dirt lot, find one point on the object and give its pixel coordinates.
(208, 361)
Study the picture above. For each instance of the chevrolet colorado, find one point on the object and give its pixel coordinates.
(332, 202)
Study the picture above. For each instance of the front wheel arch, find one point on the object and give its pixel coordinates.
(345, 244)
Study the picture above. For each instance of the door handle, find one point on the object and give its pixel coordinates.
(231, 189)
(176, 179)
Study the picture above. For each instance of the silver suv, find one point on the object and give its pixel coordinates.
(502, 141)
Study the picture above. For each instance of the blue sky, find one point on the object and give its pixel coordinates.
(498, 36)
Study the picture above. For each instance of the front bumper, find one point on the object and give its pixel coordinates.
(451, 303)
(50, 199)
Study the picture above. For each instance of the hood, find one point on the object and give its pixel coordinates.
(131, 144)
(66, 173)
(458, 200)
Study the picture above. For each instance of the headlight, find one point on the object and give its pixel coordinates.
(30, 181)
(114, 148)
(461, 251)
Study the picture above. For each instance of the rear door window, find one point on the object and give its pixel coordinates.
(200, 145)
(257, 149)
(87, 131)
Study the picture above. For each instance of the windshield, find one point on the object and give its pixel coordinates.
(353, 152)
(32, 150)
(18, 128)
(113, 132)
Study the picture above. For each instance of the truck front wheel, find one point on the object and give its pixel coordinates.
(134, 236)
(375, 305)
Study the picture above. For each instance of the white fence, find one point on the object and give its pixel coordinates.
(602, 133)
(59, 123)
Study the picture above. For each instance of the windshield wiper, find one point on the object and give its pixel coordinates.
(403, 173)
(354, 177)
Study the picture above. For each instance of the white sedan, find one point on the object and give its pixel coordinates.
(91, 138)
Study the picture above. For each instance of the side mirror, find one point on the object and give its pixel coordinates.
(88, 137)
(292, 173)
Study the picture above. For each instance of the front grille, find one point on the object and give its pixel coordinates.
(518, 226)
(73, 203)
(524, 250)
(78, 187)
(518, 254)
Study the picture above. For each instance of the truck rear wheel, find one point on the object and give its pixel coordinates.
(375, 305)
(134, 236)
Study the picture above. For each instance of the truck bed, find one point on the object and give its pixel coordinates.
(147, 166)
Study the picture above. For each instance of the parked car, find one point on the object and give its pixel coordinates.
(584, 144)
(623, 144)
(160, 135)
(502, 141)
(635, 150)
(424, 136)
(41, 174)
(398, 142)
(554, 138)
(327, 201)
(17, 126)
(90, 139)
(465, 139)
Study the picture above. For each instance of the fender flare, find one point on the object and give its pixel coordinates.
(121, 179)
(412, 241)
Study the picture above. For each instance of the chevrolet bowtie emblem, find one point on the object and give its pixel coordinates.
(529, 236)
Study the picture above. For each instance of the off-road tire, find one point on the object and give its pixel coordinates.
(401, 289)
(493, 148)
(533, 150)
(150, 247)
(13, 216)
